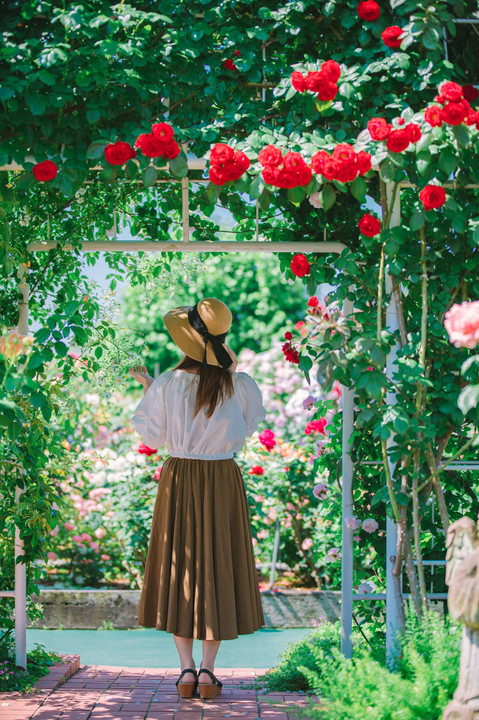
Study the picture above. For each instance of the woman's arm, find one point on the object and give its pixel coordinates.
(141, 375)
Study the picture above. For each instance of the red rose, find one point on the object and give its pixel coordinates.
(286, 179)
(369, 225)
(378, 128)
(470, 93)
(300, 265)
(145, 450)
(119, 153)
(440, 99)
(433, 116)
(323, 164)
(150, 145)
(270, 156)
(471, 118)
(171, 150)
(304, 175)
(242, 161)
(237, 53)
(256, 470)
(163, 132)
(345, 160)
(327, 90)
(432, 197)
(45, 171)
(398, 140)
(288, 336)
(451, 91)
(313, 301)
(218, 176)
(292, 161)
(229, 64)
(266, 438)
(298, 81)
(331, 71)
(364, 162)
(316, 426)
(221, 153)
(290, 353)
(313, 81)
(270, 174)
(454, 113)
(414, 132)
(392, 36)
(369, 10)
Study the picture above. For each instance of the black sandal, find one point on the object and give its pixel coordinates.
(187, 690)
(209, 690)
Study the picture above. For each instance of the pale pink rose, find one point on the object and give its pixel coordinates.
(77, 538)
(52, 556)
(263, 534)
(320, 491)
(288, 524)
(86, 536)
(55, 531)
(68, 526)
(100, 533)
(254, 541)
(307, 544)
(462, 324)
(105, 557)
(289, 506)
(335, 392)
(364, 588)
(272, 514)
(370, 525)
(309, 402)
(93, 545)
(332, 554)
(357, 538)
(110, 513)
(352, 522)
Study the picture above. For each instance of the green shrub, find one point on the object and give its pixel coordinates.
(286, 676)
(424, 681)
(38, 663)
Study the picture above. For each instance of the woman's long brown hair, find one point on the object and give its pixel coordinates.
(214, 385)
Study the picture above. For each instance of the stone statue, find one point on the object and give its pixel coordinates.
(462, 576)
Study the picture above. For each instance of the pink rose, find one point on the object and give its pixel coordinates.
(307, 544)
(320, 491)
(462, 324)
(52, 556)
(352, 522)
(100, 533)
(370, 525)
(105, 557)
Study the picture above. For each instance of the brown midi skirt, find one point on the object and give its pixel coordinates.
(200, 576)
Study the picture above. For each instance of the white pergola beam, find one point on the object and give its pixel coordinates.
(193, 246)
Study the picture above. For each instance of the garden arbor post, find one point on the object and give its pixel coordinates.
(392, 325)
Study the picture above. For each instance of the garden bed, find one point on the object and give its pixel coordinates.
(91, 609)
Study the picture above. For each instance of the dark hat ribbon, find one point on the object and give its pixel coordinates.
(216, 341)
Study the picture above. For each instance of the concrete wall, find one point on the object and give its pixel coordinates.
(89, 609)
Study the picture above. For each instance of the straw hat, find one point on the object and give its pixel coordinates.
(203, 325)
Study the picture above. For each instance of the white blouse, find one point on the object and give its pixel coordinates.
(165, 416)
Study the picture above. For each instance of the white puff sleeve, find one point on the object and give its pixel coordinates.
(149, 419)
(251, 401)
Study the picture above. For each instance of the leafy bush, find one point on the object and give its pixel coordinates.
(325, 639)
(38, 662)
(424, 681)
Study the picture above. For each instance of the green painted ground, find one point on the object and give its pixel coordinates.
(147, 647)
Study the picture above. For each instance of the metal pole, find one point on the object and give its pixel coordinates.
(392, 610)
(20, 568)
(347, 511)
(275, 556)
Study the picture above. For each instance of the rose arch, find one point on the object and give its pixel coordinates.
(414, 166)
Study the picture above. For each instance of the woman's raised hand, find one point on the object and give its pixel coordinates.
(141, 375)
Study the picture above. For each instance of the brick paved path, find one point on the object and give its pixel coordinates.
(99, 692)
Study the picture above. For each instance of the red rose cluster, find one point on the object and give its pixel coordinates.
(227, 164)
(322, 82)
(267, 439)
(316, 426)
(454, 108)
(290, 353)
(45, 171)
(300, 265)
(256, 470)
(432, 197)
(396, 140)
(369, 10)
(119, 153)
(158, 143)
(343, 165)
(369, 225)
(392, 36)
(145, 450)
(283, 172)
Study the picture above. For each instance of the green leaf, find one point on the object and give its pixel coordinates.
(359, 188)
(417, 221)
(132, 170)
(34, 361)
(37, 399)
(179, 166)
(213, 191)
(402, 498)
(98, 351)
(380, 496)
(322, 106)
(93, 115)
(256, 187)
(447, 162)
(327, 197)
(149, 176)
(296, 195)
(42, 335)
(109, 174)
(305, 363)
(468, 398)
(95, 150)
(61, 349)
(264, 200)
